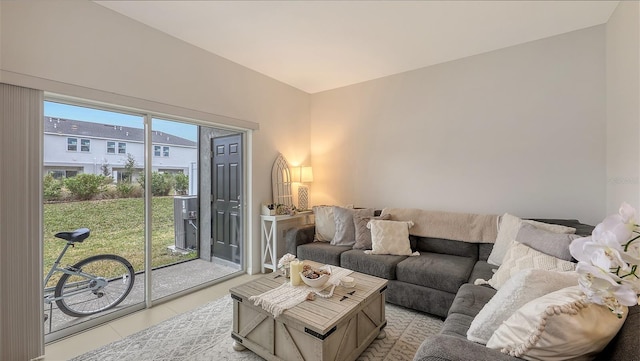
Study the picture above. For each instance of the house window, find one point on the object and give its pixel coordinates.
(157, 151)
(111, 147)
(85, 145)
(72, 144)
(63, 173)
(165, 151)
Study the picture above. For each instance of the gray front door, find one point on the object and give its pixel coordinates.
(226, 177)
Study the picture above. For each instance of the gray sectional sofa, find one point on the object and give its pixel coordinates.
(440, 282)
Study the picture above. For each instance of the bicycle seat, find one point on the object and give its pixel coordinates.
(78, 235)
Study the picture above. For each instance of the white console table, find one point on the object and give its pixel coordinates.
(272, 236)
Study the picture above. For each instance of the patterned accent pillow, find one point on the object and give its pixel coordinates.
(520, 257)
(345, 229)
(557, 326)
(390, 237)
(363, 234)
(524, 286)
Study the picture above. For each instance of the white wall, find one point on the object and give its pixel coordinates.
(623, 106)
(518, 130)
(84, 44)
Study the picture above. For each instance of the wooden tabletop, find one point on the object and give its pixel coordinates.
(321, 314)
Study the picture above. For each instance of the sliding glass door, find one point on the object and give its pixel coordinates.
(165, 195)
(93, 160)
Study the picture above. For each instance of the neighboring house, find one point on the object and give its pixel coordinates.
(72, 147)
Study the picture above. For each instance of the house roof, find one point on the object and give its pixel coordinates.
(69, 127)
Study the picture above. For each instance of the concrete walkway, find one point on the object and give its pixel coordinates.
(166, 281)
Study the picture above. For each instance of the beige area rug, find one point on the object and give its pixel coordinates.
(205, 334)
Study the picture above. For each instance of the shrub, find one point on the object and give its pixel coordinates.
(161, 183)
(125, 190)
(85, 186)
(182, 183)
(51, 188)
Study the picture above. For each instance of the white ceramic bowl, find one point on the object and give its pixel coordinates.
(315, 282)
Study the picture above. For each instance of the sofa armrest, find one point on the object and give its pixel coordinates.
(451, 348)
(299, 235)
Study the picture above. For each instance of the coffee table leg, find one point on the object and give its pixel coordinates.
(381, 335)
(237, 346)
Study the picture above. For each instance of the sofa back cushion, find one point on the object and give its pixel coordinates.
(446, 246)
(484, 250)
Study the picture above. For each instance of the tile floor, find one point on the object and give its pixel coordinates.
(117, 329)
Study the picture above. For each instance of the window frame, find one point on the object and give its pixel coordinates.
(88, 145)
(114, 146)
(75, 145)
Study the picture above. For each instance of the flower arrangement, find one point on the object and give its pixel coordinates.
(282, 209)
(285, 260)
(608, 261)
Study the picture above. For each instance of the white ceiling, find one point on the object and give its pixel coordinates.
(320, 45)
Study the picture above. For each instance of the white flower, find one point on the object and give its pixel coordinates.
(605, 251)
(285, 260)
(621, 224)
(608, 261)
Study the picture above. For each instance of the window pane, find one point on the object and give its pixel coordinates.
(85, 145)
(122, 148)
(113, 212)
(165, 151)
(156, 150)
(72, 144)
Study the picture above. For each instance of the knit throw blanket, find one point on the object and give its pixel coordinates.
(286, 296)
(466, 227)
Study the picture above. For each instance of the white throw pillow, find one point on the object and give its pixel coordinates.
(508, 230)
(390, 237)
(325, 223)
(524, 286)
(345, 234)
(520, 257)
(557, 326)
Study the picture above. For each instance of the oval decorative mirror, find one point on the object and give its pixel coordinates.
(281, 182)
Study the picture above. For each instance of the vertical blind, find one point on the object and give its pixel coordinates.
(21, 310)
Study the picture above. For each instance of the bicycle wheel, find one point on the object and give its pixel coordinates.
(105, 281)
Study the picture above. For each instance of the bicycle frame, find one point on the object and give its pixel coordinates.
(48, 291)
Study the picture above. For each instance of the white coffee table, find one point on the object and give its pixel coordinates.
(335, 329)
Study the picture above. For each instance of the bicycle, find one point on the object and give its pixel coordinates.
(90, 286)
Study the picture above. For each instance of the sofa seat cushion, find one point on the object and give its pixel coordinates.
(321, 252)
(456, 325)
(440, 271)
(483, 270)
(470, 299)
(451, 348)
(383, 266)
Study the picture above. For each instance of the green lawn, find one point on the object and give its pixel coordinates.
(117, 227)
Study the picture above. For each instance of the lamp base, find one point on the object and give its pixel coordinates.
(303, 197)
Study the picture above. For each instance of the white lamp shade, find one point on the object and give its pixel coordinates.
(306, 175)
(301, 174)
(295, 174)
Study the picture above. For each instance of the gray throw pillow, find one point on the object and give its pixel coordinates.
(553, 244)
(363, 234)
(345, 229)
